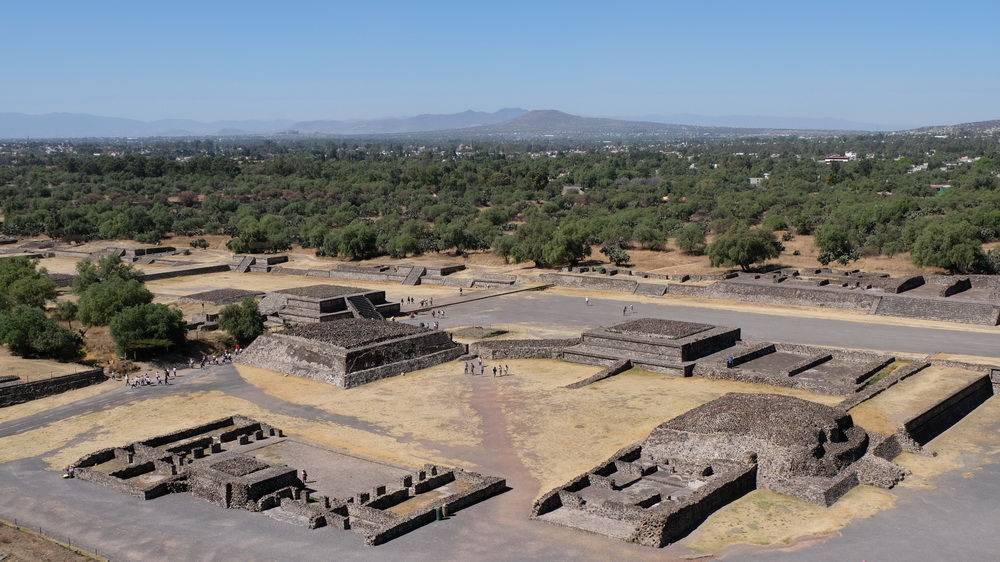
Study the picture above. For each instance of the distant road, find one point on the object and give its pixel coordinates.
(547, 314)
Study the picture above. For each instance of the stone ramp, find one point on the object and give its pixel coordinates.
(363, 308)
(650, 289)
(284, 516)
(616, 369)
(608, 357)
(245, 264)
(591, 522)
(413, 277)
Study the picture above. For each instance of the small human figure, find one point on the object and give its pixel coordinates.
(459, 291)
(126, 379)
(305, 477)
(159, 381)
(624, 310)
(505, 370)
(494, 372)
(586, 300)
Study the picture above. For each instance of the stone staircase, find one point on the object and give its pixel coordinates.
(363, 308)
(245, 264)
(413, 277)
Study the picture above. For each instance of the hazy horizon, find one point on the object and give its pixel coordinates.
(892, 64)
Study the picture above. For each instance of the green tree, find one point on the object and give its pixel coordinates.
(743, 247)
(147, 327)
(28, 332)
(22, 282)
(102, 301)
(691, 239)
(835, 244)
(89, 272)
(951, 244)
(66, 311)
(242, 320)
(358, 240)
(617, 256)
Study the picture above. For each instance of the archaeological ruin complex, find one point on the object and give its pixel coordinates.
(235, 463)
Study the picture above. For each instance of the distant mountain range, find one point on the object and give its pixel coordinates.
(511, 123)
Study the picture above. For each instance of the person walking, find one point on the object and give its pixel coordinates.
(586, 300)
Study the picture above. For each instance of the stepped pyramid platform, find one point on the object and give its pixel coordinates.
(325, 303)
(351, 352)
(665, 346)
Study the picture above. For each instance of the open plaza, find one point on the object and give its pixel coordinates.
(436, 412)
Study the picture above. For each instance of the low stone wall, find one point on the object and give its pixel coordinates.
(184, 272)
(597, 283)
(773, 293)
(663, 528)
(16, 393)
(956, 287)
(358, 378)
(946, 413)
(521, 349)
(940, 309)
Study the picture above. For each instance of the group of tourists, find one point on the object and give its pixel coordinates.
(227, 356)
(475, 367)
(145, 380)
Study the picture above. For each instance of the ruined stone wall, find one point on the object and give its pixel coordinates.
(357, 378)
(18, 392)
(658, 529)
(940, 309)
(202, 270)
(589, 282)
(521, 349)
(939, 417)
(773, 293)
(394, 351)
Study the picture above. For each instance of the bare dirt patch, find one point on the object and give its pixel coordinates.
(430, 405)
(35, 369)
(22, 546)
(768, 518)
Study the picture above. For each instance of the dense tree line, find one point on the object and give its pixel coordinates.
(542, 202)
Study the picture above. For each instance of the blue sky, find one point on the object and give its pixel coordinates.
(908, 63)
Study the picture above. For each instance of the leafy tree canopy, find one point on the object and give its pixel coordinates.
(743, 247)
(951, 244)
(102, 301)
(28, 332)
(22, 282)
(111, 266)
(147, 326)
(242, 320)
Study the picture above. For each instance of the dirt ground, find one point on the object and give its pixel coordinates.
(34, 369)
(20, 546)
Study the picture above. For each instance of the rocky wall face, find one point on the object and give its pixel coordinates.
(357, 378)
(939, 309)
(18, 393)
(397, 350)
(521, 349)
(789, 436)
